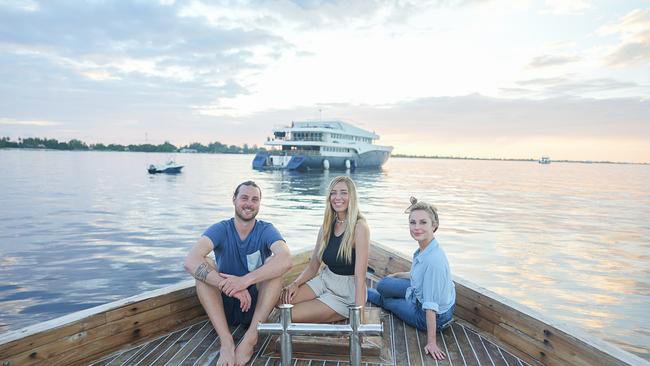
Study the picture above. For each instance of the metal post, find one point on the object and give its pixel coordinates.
(355, 342)
(286, 329)
(285, 338)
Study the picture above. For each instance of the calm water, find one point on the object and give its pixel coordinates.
(79, 229)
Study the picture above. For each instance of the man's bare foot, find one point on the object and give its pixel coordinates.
(226, 356)
(244, 350)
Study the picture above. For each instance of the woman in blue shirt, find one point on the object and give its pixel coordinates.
(424, 298)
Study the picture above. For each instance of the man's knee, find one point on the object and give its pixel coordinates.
(204, 287)
(270, 288)
(271, 283)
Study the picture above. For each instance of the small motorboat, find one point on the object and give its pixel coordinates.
(170, 168)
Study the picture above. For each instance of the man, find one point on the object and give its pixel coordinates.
(244, 284)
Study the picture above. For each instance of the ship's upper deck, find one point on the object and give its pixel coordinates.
(326, 131)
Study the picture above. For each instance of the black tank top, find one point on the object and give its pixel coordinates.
(337, 265)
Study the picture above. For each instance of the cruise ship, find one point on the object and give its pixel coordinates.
(322, 145)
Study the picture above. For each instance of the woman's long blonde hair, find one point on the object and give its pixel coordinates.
(353, 215)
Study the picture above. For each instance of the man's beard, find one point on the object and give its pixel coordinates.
(241, 216)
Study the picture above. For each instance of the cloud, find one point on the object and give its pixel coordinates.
(477, 116)
(566, 7)
(124, 48)
(8, 121)
(573, 87)
(634, 33)
(550, 60)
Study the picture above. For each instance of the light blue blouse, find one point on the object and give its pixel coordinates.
(431, 281)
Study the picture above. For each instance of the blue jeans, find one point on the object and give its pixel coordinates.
(391, 295)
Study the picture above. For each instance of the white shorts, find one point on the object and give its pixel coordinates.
(333, 290)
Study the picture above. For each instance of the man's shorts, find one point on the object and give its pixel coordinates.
(333, 290)
(232, 309)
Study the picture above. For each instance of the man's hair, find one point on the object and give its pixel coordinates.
(249, 183)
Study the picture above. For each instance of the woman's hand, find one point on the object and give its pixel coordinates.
(289, 292)
(433, 350)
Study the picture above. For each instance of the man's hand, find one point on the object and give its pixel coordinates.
(232, 284)
(244, 299)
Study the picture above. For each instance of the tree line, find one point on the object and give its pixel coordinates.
(74, 144)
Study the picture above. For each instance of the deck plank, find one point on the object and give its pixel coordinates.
(186, 335)
(413, 347)
(200, 348)
(464, 344)
(511, 359)
(144, 351)
(452, 348)
(258, 358)
(105, 361)
(162, 347)
(399, 341)
(208, 354)
(493, 351)
(190, 344)
(211, 354)
(477, 346)
(428, 360)
(122, 357)
(388, 343)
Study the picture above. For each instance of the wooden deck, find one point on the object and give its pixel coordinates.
(199, 344)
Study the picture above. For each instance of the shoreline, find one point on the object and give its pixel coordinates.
(516, 159)
(392, 155)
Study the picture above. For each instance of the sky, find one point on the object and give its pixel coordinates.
(483, 78)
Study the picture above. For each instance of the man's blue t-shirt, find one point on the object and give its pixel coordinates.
(237, 257)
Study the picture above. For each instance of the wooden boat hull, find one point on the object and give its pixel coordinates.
(86, 336)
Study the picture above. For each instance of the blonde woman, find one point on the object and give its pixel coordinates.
(425, 297)
(342, 244)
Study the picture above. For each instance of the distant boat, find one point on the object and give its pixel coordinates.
(170, 168)
(544, 160)
(187, 151)
(322, 145)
